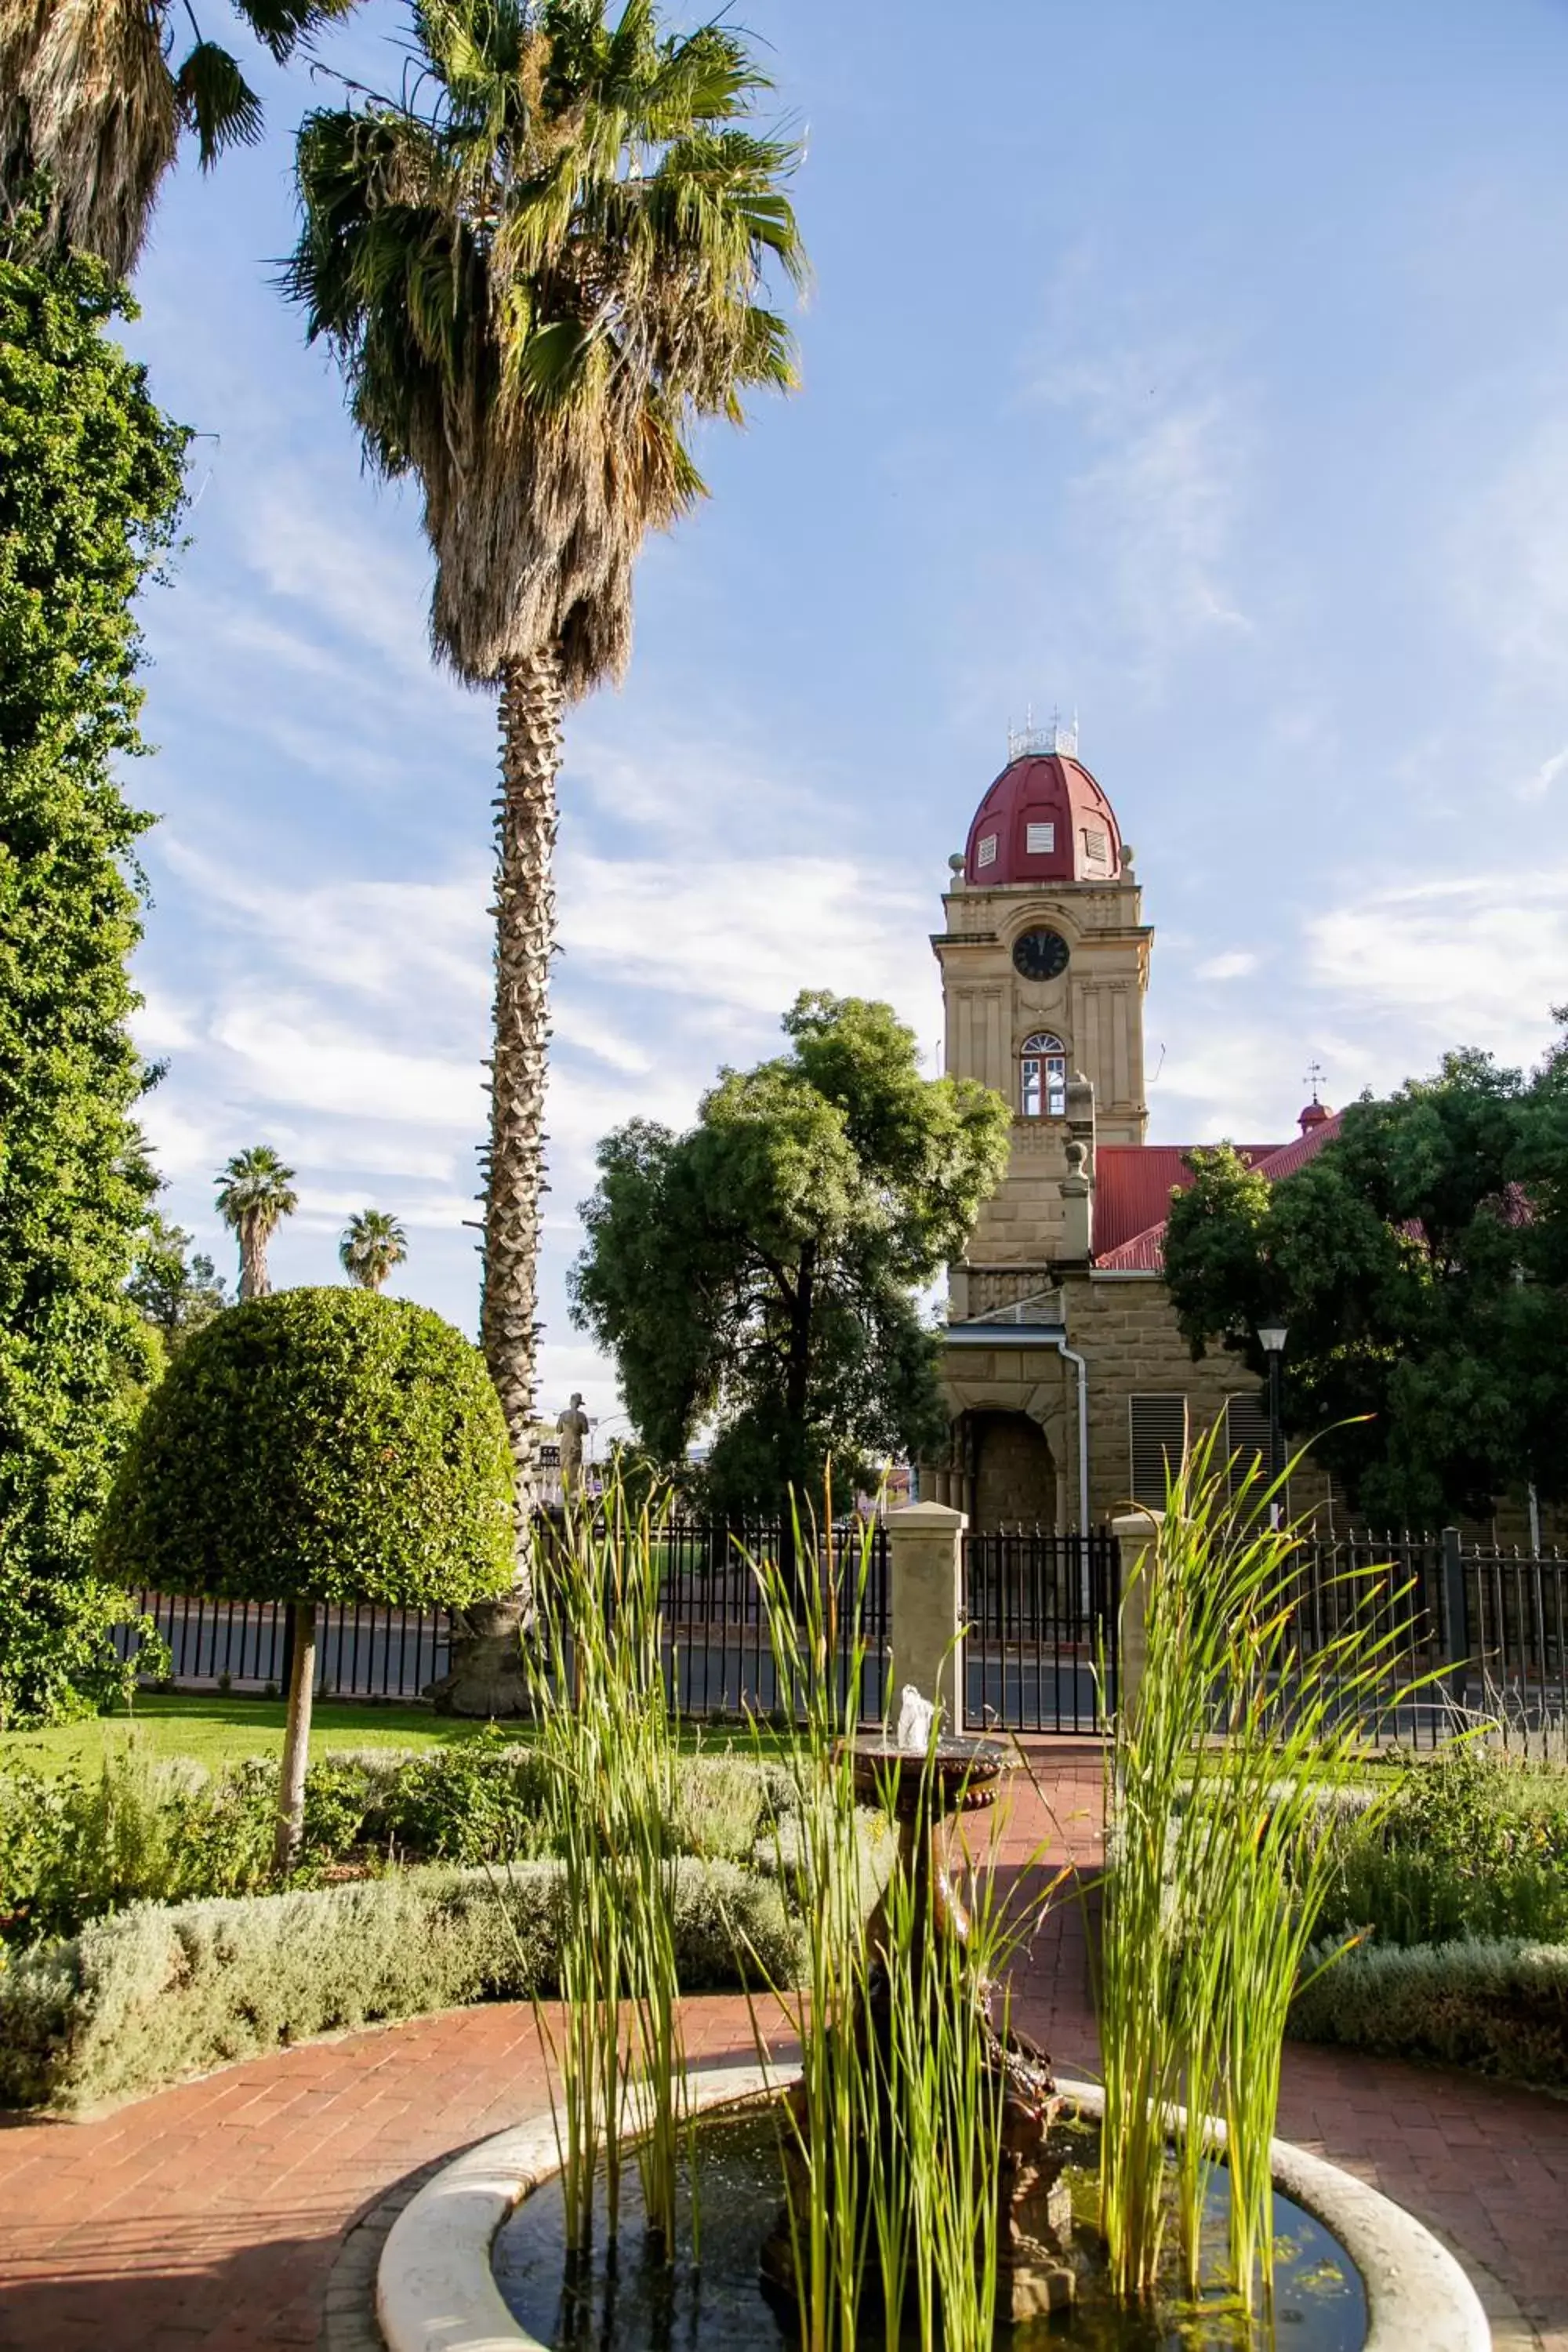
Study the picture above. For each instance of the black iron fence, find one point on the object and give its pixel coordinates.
(1478, 1633)
(718, 1651)
(1040, 1614)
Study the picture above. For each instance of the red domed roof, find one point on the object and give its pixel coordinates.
(1044, 820)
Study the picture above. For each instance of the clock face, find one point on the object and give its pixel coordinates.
(1040, 955)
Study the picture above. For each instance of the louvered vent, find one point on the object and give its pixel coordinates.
(1246, 1438)
(1159, 1426)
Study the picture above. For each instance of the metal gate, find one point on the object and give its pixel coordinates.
(1040, 1648)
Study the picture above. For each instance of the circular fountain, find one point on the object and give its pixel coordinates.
(478, 2262)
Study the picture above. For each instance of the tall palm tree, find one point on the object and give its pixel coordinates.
(373, 1243)
(90, 93)
(537, 275)
(255, 1192)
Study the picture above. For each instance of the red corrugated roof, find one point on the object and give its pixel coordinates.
(1133, 1183)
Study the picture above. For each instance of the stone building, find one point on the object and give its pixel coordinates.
(1068, 1382)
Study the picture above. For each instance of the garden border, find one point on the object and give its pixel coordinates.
(436, 2291)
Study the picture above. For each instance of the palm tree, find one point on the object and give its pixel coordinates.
(255, 1191)
(90, 94)
(373, 1243)
(537, 275)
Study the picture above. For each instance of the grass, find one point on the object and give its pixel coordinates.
(216, 1731)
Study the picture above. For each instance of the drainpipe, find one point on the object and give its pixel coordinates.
(1072, 1355)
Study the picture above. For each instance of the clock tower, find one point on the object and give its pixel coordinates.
(1045, 965)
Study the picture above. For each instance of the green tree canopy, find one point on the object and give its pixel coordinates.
(762, 1271)
(1420, 1266)
(317, 1445)
(89, 495)
(321, 1444)
(173, 1288)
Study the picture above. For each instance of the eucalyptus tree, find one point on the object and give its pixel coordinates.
(373, 1243)
(97, 94)
(540, 268)
(254, 1193)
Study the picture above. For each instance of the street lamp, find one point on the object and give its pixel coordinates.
(1272, 1338)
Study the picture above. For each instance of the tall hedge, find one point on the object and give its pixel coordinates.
(89, 495)
(319, 1445)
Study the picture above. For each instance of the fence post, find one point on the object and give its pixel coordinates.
(1456, 1615)
(1134, 1533)
(925, 1607)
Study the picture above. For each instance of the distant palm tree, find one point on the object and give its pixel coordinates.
(90, 94)
(255, 1192)
(373, 1243)
(538, 272)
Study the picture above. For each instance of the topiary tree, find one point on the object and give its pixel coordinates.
(319, 1445)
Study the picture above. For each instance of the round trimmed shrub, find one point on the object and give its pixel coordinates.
(319, 1445)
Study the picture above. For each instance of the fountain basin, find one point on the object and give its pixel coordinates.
(436, 2292)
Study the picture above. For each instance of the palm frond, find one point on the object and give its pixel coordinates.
(281, 25)
(216, 102)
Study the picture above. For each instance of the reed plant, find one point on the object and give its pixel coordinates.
(937, 2203)
(816, 1610)
(893, 2153)
(607, 1731)
(1217, 1867)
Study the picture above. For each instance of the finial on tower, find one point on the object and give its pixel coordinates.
(1061, 736)
(1314, 1074)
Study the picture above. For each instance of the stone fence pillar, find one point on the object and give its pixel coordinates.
(1135, 1532)
(925, 1607)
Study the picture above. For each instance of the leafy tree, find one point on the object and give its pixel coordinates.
(538, 276)
(1420, 1264)
(763, 1270)
(92, 100)
(90, 495)
(319, 1446)
(173, 1288)
(373, 1243)
(254, 1193)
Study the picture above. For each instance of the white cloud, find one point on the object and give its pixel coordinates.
(1234, 964)
(1159, 508)
(742, 936)
(1472, 962)
(295, 1057)
(1537, 786)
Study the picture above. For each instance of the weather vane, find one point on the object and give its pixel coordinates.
(1314, 1076)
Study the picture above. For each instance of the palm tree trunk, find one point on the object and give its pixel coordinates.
(532, 699)
(253, 1277)
(486, 1677)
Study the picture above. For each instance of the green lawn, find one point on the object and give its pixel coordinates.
(217, 1731)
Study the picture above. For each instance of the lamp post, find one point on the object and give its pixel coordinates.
(1271, 1337)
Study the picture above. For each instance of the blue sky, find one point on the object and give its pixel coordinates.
(1200, 369)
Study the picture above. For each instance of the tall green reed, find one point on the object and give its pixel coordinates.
(895, 2147)
(1216, 1872)
(816, 1610)
(608, 1733)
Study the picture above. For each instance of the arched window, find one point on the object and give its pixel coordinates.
(1043, 1069)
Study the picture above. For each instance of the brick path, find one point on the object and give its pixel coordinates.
(209, 2218)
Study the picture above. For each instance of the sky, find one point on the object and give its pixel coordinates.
(1199, 371)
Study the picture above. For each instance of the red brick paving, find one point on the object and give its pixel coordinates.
(206, 2219)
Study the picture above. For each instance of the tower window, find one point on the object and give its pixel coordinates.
(1043, 1076)
(987, 853)
(1096, 847)
(1040, 839)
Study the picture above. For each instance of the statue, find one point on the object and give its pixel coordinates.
(574, 1426)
